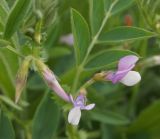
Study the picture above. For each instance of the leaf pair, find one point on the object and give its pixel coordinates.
(119, 34)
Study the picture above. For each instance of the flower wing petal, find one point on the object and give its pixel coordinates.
(117, 76)
(74, 116)
(89, 107)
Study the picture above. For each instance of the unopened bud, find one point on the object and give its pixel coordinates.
(51, 80)
(100, 76)
(39, 14)
(37, 34)
(22, 77)
(37, 37)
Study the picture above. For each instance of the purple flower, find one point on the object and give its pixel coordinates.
(52, 82)
(67, 39)
(79, 104)
(124, 74)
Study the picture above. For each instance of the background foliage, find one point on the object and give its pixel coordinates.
(129, 27)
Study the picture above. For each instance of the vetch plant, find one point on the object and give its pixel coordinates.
(33, 39)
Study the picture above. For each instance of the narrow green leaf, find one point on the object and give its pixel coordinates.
(6, 128)
(81, 35)
(4, 43)
(3, 14)
(97, 13)
(52, 34)
(109, 117)
(148, 121)
(9, 102)
(6, 83)
(120, 34)
(16, 16)
(106, 58)
(119, 7)
(5, 5)
(8, 67)
(46, 119)
(1, 27)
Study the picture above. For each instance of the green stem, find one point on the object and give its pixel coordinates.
(75, 83)
(88, 83)
(133, 101)
(94, 40)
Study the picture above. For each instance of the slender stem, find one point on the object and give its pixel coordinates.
(94, 40)
(88, 83)
(75, 83)
(133, 101)
(99, 32)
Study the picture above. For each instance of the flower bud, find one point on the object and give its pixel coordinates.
(22, 77)
(100, 76)
(51, 80)
(37, 34)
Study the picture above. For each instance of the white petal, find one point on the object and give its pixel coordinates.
(131, 78)
(89, 107)
(74, 116)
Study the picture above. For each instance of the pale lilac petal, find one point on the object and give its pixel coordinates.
(80, 101)
(110, 76)
(67, 39)
(117, 76)
(80, 97)
(127, 62)
(48, 75)
(59, 91)
(125, 65)
(74, 116)
(89, 107)
(54, 84)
